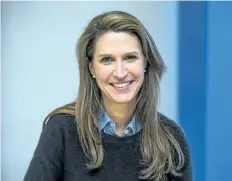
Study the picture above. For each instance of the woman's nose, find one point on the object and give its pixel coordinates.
(120, 69)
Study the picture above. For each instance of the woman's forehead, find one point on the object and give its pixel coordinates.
(117, 42)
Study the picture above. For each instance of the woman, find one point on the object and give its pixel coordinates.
(113, 131)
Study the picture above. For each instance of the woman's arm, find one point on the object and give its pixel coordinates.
(187, 167)
(47, 162)
(180, 137)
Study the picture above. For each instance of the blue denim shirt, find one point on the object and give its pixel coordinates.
(108, 126)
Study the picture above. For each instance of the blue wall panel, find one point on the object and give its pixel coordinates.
(219, 92)
(205, 86)
(192, 80)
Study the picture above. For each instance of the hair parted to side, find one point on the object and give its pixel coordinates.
(160, 150)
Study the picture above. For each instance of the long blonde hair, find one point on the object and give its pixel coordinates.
(161, 152)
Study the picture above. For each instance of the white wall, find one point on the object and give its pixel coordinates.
(39, 68)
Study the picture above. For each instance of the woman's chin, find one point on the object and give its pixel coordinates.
(123, 99)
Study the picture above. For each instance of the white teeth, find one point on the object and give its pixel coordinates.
(121, 85)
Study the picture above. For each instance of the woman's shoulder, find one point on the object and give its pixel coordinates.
(63, 120)
(176, 130)
(173, 126)
(58, 127)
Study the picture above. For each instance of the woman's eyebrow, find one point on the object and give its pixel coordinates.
(105, 55)
(110, 55)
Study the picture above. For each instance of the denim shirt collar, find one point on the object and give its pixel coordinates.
(108, 126)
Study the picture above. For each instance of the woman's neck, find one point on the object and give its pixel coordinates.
(120, 114)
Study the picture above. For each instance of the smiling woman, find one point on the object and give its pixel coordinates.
(118, 67)
(113, 131)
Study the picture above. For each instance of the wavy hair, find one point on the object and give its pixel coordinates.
(160, 150)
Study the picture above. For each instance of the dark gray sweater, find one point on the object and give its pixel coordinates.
(59, 156)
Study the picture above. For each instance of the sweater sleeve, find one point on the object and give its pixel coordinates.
(187, 167)
(47, 161)
(178, 133)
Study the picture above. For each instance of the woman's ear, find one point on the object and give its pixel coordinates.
(145, 64)
(91, 69)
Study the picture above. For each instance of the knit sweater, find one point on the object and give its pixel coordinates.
(59, 155)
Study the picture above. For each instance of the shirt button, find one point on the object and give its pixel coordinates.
(127, 131)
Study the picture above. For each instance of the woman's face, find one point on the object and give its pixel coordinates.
(118, 66)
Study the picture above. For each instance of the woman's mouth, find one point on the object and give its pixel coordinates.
(121, 86)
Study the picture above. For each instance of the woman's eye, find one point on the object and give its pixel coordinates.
(106, 60)
(130, 58)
